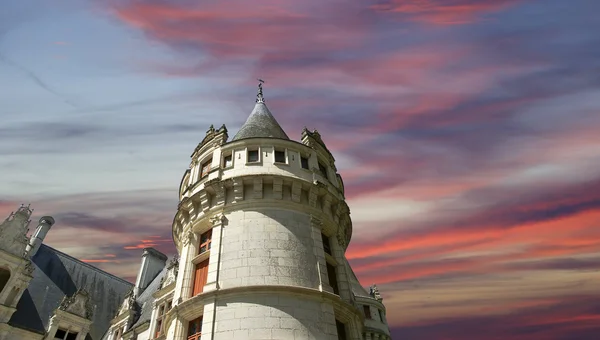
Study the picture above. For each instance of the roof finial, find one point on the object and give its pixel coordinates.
(259, 96)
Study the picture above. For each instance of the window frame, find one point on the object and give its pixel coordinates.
(307, 162)
(196, 335)
(225, 156)
(258, 152)
(367, 311)
(332, 274)
(207, 243)
(323, 170)
(326, 244)
(162, 308)
(285, 155)
(66, 335)
(205, 167)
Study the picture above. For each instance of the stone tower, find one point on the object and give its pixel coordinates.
(261, 228)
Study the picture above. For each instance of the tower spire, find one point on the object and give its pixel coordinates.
(259, 96)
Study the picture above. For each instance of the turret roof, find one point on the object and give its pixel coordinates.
(261, 122)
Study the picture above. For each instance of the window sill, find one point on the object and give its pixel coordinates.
(282, 163)
(201, 257)
(254, 163)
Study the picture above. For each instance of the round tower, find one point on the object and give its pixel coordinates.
(261, 228)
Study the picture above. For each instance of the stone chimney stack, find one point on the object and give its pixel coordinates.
(37, 238)
(153, 262)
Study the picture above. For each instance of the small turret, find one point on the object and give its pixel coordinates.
(37, 238)
(14, 231)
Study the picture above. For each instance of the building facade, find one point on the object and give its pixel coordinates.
(261, 231)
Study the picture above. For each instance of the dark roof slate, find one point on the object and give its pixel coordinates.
(57, 275)
(260, 124)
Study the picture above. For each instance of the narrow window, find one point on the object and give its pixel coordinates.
(252, 156)
(331, 274)
(60, 334)
(200, 277)
(206, 168)
(118, 333)
(326, 246)
(381, 316)
(323, 170)
(195, 329)
(304, 162)
(279, 156)
(227, 161)
(341, 330)
(4, 276)
(367, 311)
(71, 336)
(163, 308)
(205, 241)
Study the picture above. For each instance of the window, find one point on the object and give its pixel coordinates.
(341, 330)
(331, 274)
(63, 334)
(280, 156)
(163, 308)
(367, 311)
(118, 333)
(381, 316)
(200, 277)
(4, 276)
(205, 241)
(253, 156)
(304, 162)
(195, 329)
(227, 161)
(326, 245)
(205, 168)
(323, 170)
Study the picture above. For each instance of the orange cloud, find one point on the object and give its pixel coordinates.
(443, 12)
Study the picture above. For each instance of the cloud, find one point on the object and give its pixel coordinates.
(440, 12)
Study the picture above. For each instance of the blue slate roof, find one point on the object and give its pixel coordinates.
(260, 124)
(57, 275)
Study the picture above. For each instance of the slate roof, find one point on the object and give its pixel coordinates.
(145, 300)
(57, 275)
(355, 285)
(260, 123)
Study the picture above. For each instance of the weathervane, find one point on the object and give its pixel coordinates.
(259, 96)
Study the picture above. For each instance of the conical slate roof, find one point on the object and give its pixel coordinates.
(261, 122)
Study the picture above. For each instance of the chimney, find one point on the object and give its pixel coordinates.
(37, 238)
(153, 262)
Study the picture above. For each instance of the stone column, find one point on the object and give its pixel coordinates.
(52, 327)
(316, 230)
(342, 275)
(215, 253)
(183, 286)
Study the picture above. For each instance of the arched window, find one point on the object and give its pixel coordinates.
(4, 276)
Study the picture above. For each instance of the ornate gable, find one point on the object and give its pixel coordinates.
(78, 304)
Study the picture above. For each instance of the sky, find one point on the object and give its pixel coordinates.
(466, 132)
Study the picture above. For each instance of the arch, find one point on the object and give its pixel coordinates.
(4, 277)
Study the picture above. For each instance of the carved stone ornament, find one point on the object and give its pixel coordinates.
(28, 269)
(315, 222)
(128, 303)
(341, 236)
(217, 220)
(188, 238)
(78, 304)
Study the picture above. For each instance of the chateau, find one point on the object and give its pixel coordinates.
(261, 230)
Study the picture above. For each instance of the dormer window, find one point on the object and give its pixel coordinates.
(280, 156)
(304, 162)
(253, 156)
(206, 168)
